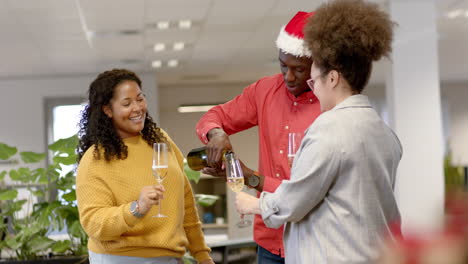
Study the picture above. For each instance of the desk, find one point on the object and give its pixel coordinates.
(225, 245)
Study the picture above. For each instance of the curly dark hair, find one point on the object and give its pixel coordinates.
(96, 127)
(346, 36)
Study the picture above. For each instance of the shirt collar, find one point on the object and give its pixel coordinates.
(358, 100)
(305, 98)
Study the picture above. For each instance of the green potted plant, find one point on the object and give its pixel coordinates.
(25, 236)
(204, 200)
(454, 176)
(25, 239)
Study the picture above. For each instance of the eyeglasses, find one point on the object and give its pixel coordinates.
(311, 82)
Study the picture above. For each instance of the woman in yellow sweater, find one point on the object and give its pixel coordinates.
(116, 191)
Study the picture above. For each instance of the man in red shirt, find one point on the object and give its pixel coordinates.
(278, 105)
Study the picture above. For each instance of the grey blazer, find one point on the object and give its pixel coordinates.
(339, 202)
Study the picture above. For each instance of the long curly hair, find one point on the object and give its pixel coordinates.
(96, 127)
(347, 35)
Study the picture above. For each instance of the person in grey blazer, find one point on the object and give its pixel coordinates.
(339, 203)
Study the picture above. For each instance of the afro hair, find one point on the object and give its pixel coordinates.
(347, 36)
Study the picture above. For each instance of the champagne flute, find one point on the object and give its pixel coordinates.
(160, 167)
(294, 142)
(235, 180)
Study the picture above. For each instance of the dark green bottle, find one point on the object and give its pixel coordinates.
(197, 158)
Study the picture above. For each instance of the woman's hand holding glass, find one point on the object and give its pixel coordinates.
(149, 196)
(247, 204)
(160, 167)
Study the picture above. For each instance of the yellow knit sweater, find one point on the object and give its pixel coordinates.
(106, 189)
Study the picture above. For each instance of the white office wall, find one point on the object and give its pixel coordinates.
(454, 105)
(181, 126)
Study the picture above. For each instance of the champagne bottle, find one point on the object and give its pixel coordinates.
(197, 158)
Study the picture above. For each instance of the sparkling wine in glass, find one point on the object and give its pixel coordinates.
(294, 141)
(160, 167)
(235, 180)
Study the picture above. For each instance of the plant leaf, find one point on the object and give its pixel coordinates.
(70, 197)
(67, 182)
(32, 157)
(61, 246)
(6, 151)
(12, 243)
(21, 175)
(40, 175)
(65, 145)
(69, 160)
(15, 206)
(14, 175)
(40, 243)
(206, 199)
(191, 174)
(2, 175)
(76, 230)
(53, 172)
(8, 195)
(25, 175)
(38, 193)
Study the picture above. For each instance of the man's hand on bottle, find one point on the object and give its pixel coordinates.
(217, 144)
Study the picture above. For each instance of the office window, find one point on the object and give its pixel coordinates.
(62, 118)
(65, 119)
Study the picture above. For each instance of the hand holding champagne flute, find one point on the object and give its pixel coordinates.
(294, 142)
(160, 167)
(235, 180)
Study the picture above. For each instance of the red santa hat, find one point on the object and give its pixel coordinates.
(291, 37)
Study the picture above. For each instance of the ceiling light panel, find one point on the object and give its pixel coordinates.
(158, 47)
(455, 13)
(194, 108)
(162, 25)
(172, 63)
(156, 64)
(178, 46)
(185, 24)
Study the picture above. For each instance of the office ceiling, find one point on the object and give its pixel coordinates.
(228, 41)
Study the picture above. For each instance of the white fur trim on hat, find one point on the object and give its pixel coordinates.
(292, 45)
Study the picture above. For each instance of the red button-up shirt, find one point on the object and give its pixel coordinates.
(268, 105)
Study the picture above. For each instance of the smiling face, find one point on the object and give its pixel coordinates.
(127, 109)
(296, 71)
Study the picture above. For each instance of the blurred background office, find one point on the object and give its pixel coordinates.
(192, 53)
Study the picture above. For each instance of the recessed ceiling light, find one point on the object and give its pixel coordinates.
(172, 63)
(454, 13)
(185, 24)
(156, 64)
(159, 47)
(194, 108)
(162, 25)
(179, 45)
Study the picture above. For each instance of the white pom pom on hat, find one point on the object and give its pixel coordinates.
(291, 37)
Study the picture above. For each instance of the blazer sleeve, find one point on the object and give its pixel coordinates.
(315, 170)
